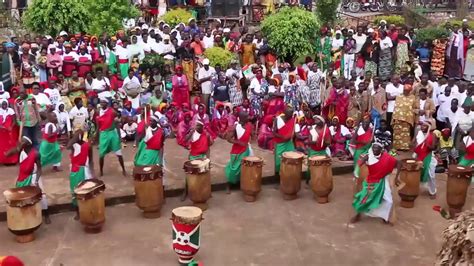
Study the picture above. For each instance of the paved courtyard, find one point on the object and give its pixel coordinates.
(270, 231)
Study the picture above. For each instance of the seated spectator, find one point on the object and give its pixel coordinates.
(383, 136)
(340, 137)
(130, 129)
(128, 111)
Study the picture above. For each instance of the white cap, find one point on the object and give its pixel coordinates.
(370, 30)
(166, 37)
(464, 20)
(190, 19)
(166, 25)
(338, 32)
(226, 30)
(144, 27)
(48, 37)
(62, 33)
(383, 21)
(205, 61)
(218, 20)
(350, 31)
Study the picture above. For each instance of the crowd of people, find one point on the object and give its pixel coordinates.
(365, 84)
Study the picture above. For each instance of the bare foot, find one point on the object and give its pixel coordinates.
(355, 219)
(76, 217)
(47, 220)
(227, 188)
(124, 173)
(101, 173)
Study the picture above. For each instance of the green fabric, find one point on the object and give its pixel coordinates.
(425, 171)
(280, 148)
(312, 152)
(109, 141)
(74, 179)
(24, 183)
(155, 102)
(50, 153)
(112, 62)
(146, 156)
(200, 156)
(465, 162)
(124, 69)
(365, 201)
(232, 169)
(357, 154)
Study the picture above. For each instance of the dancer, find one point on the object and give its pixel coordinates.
(425, 143)
(50, 152)
(283, 131)
(361, 141)
(150, 149)
(466, 146)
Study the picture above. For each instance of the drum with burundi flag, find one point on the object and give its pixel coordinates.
(186, 222)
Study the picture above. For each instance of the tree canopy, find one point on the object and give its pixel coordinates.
(291, 32)
(107, 15)
(327, 10)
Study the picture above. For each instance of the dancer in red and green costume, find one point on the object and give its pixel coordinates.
(240, 140)
(109, 140)
(81, 163)
(30, 170)
(283, 131)
(319, 140)
(425, 143)
(49, 150)
(150, 149)
(466, 147)
(375, 198)
(361, 139)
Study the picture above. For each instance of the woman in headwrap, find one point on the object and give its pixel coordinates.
(314, 82)
(8, 133)
(54, 60)
(403, 46)
(77, 88)
(323, 49)
(84, 61)
(220, 122)
(404, 118)
(425, 143)
(283, 132)
(28, 67)
(183, 129)
(375, 198)
(180, 92)
(360, 142)
(70, 59)
(203, 118)
(248, 49)
(150, 149)
(340, 136)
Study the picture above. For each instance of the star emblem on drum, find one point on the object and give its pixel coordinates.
(191, 239)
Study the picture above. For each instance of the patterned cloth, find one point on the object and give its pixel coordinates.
(401, 135)
(314, 80)
(404, 120)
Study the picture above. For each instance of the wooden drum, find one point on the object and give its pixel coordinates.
(91, 202)
(198, 180)
(363, 174)
(148, 181)
(410, 175)
(186, 222)
(290, 174)
(23, 212)
(251, 177)
(321, 177)
(459, 179)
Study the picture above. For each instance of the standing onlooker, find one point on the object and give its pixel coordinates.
(29, 116)
(205, 76)
(78, 115)
(234, 75)
(404, 118)
(393, 89)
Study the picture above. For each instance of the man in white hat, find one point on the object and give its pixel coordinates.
(205, 75)
(165, 48)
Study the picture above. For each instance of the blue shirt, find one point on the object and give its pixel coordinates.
(424, 53)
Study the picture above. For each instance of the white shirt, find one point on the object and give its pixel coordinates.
(393, 91)
(444, 106)
(337, 43)
(203, 73)
(122, 53)
(422, 107)
(162, 48)
(54, 95)
(208, 42)
(63, 121)
(5, 95)
(386, 43)
(42, 99)
(78, 116)
(130, 129)
(344, 130)
(71, 54)
(99, 85)
(436, 91)
(255, 85)
(360, 40)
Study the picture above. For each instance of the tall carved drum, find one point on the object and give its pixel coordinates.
(251, 177)
(186, 222)
(198, 180)
(459, 179)
(363, 174)
(321, 177)
(148, 181)
(410, 175)
(91, 202)
(23, 212)
(290, 174)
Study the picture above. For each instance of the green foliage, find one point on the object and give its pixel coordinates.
(291, 32)
(52, 16)
(176, 16)
(327, 10)
(107, 15)
(431, 33)
(152, 60)
(219, 56)
(394, 19)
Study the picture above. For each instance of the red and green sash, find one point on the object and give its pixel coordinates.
(80, 159)
(320, 144)
(381, 169)
(364, 139)
(286, 131)
(26, 168)
(156, 141)
(423, 149)
(200, 146)
(469, 155)
(245, 138)
(106, 120)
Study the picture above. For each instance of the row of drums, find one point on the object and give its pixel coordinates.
(24, 210)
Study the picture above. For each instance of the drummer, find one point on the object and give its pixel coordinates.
(466, 147)
(49, 150)
(30, 170)
(361, 141)
(425, 143)
(150, 149)
(240, 140)
(283, 131)
(200, 142)
(319, 141)
(82, 163)
(375, 198)
(109, 140)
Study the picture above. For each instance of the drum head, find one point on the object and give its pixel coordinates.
(253, 159)
(189, 212)
(88, 186)
(293, 155)
(318, 158)
(454, 168)
(22, 194)
(410, 161)
(148, 169)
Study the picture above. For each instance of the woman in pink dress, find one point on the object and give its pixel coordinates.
(180, 92)
(8, 133)
(202, 117)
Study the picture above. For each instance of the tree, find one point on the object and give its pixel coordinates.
(107, 15)
(291, 32)
(462, 9)
(52, 16)
(327, 10)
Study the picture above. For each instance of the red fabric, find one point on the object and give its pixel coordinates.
(80, 159)
(382, 168)
(106, 120)
(199, 146)
(265, 137)
(469, 152)
(423, 149)
(115, 83)
(220, 125)
(337, 104)
(365, 138)
(123, 61)
(238, 149)
(286, 131)
(156, 142)
(276, 106)
(83, 69)
(319, 146)
(50, 138)
(27, 166)
(95, 56)
(10, 261)
(68, 65)
(141, 127)
(9, 136)
(180, 92)
(301, 73)
(181, 132)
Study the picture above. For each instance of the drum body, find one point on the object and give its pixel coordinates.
(321, 177)
(410, 175)
(363, 174)
(198, 180)
(290, 174)
(251, 177)
(186, 222)
(459, 179)
(23, 212)
(91, 202)
(148, 182)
